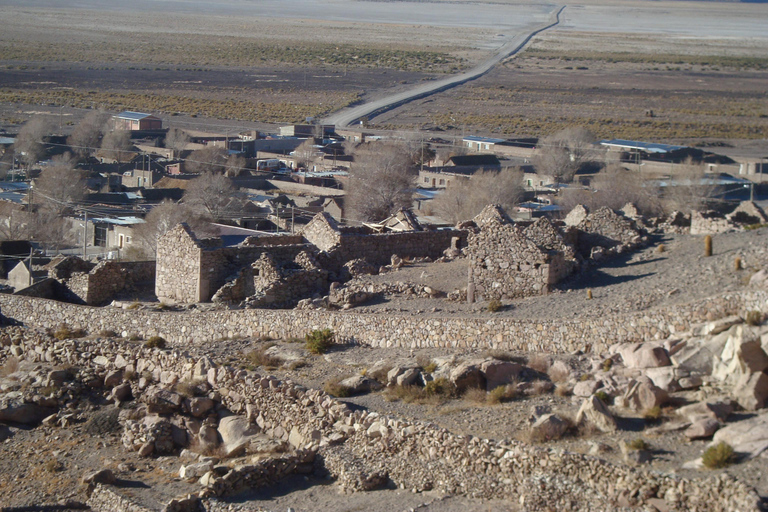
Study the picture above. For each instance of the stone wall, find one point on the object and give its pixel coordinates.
(387, 330)
(109, 278)
(362, 449)
(104, 499)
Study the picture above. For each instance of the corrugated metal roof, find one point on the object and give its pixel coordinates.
(648, 147)
(475, 138)
(134, 116)
(122, 221)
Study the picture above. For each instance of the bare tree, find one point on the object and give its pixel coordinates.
(466, 197)
(381, 181)
(117, 145)
(236, 165)
(29, 141)
(562, 154)
(176, 140)
(212, 195)
(14, 221)
(161, 219)
(207, 159)
(48, 228)
(689, 188)
(614, 187)
(59, 185)
(306, 153)
(86, 137)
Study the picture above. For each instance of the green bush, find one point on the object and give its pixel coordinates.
(638, 444)
(155, 342)
(718, 456)
(319, 341)
(439, 387)
(495, 305)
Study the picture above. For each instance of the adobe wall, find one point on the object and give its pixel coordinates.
(412, 454)
(387, 330)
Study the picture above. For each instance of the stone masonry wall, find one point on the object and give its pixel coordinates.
(387, 330)
(108, 278)
(358, 447)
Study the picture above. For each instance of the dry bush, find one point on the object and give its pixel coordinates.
(107, 333)
(638, 444)
(427, 365)
(501, 394)
(540, 387)
(320, 341)
(258, 357)
(334, 388)
(475, 395)
(189, 388)
(155, 342)
(503, 355)
(558, 373)
(495, 305)
(652, 414)
(380, 375)
(563, 390)
(538, 362)
(464, 198)
(64, 332)
(11, 366)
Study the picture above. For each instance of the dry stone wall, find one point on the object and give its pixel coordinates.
(362, 449)
(108, 278)
(386, 330)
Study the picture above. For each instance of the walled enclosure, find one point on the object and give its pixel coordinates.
(360, 447)
(386, 330)
(192, 270)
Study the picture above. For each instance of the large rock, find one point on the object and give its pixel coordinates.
(594, 412)
(360, 384)
(747, 437)
(576, 216)
(644, 355)
(200, 406)
(665, 378)
(163, 401)
(549, 427)
(104, 476)
(467, 375)
(751, 391)
(643, 395)
(702, 428)
(500, 373)
(408, 377)
(586, 388)
(195, 471)
(397, 371)
(236, 433)
(715, 409)
(16, 411)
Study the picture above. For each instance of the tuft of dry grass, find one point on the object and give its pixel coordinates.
(718, 456)
(652, 414)
(259, 357)
(475, 395)
(334, 388)
(538, 362)
(558, 373)
(563, 390)
(501, 394)
(503, 355)
(638, 444)
(540, 387)
(11, 366)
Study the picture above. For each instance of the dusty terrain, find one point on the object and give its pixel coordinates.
(45, 464)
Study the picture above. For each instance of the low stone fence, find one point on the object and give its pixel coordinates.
(363, 449)
(387, 330)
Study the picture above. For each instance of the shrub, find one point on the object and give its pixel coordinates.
(754, 318)
(503, 355)
(380, 374)
(661, 248)
(155, 342)
(607, 365)
(53, 466)
(495, 305)
(501, 394)
(427, 365)
(319, 341)
(334, 388)
(638, 444)
(539, 363)
(558, 373)
(439, 387)
(563, 390)
(63, 332)
(107, 333)
(603, 396)
(259, 357)
(476, 395)
(652, 414)
(718, 456)
(189, 388)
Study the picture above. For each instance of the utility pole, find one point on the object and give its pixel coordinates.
(293, 220)
(85, 235)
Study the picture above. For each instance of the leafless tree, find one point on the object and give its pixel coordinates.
(306, 154)
(117, 145)
(562, 154)
(466, 197)
(212, 195)
(207, 159)
(14, 222)
(381, 181)
(176, 140)
(86, 137)
(48, 228)
(236, 165)
(59, 185)
(689, 188)
(614, 187)
(161, 219)
(29, 141)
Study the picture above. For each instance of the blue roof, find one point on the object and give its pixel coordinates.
(488, 140)
(648, 147)
(135, 116)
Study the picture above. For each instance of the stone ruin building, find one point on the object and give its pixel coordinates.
(510, 260)
(280, 270)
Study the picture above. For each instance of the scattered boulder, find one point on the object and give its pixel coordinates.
(748, 437)
(195, 471)
(643, 395)
(14, 410)
(549, 427)
(594, 412)
(360, 384)
(104, 476)
(499, 373)
(751, 391)
(467, 375)
(236, 433)
(586, 388)
(644, 355)
(702, 428)
(162, 401)
(716, 410)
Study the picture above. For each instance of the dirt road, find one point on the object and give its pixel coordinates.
(373, 108)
